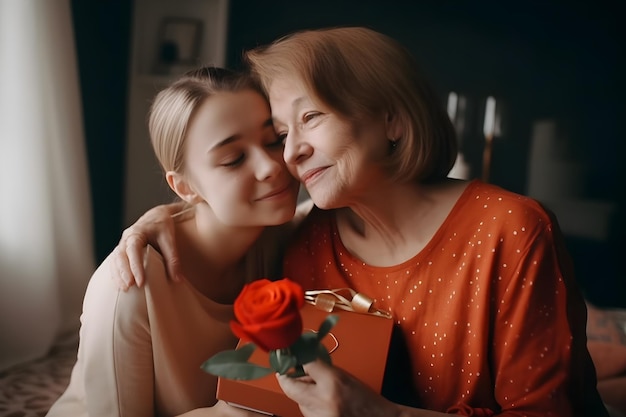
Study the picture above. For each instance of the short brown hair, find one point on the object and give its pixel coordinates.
(358, 72)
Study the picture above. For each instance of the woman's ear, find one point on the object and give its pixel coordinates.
(181, 187)
(394, 125)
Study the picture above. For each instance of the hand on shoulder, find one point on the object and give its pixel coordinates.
(156, 227)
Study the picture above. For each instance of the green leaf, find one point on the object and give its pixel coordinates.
(282, 361)
(323, 354)
(328, 323)
(306, 348)
(236, 370)
(233, 364)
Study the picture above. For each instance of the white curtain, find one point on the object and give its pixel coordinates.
(46, 244)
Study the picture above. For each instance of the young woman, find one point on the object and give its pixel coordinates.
(141, 350)
(476, 277)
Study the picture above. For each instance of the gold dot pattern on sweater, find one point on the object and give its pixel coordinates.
(483, 307)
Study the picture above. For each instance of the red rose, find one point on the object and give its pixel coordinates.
(268, 313)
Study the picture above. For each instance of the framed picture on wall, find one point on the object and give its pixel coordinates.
(178, 45)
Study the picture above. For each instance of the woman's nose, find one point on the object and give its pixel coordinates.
(268, 165)
(296, 150)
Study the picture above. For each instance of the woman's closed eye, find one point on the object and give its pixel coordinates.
(234, 162)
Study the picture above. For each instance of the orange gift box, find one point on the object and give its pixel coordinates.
(358, 344)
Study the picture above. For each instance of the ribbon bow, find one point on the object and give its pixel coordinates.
(357, 302)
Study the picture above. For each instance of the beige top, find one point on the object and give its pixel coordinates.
(140, 351)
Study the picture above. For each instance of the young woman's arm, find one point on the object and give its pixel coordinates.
(129, 358)
(113, 375)
(154, 227)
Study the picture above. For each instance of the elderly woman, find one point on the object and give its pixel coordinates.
(476, 277)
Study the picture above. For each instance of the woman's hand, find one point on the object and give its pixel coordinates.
(156, 228)
(331, 392)
(221, 409)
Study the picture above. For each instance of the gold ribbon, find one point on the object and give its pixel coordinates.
(351, 300)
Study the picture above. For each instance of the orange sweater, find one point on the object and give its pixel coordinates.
(493, 321)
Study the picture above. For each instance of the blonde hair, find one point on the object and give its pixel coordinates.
(359, 72)
(173, 108)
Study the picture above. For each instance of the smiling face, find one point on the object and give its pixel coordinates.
(233, 162)
(339, 161)
(357, 72)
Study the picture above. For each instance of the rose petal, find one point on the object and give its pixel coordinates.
(268, 313)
